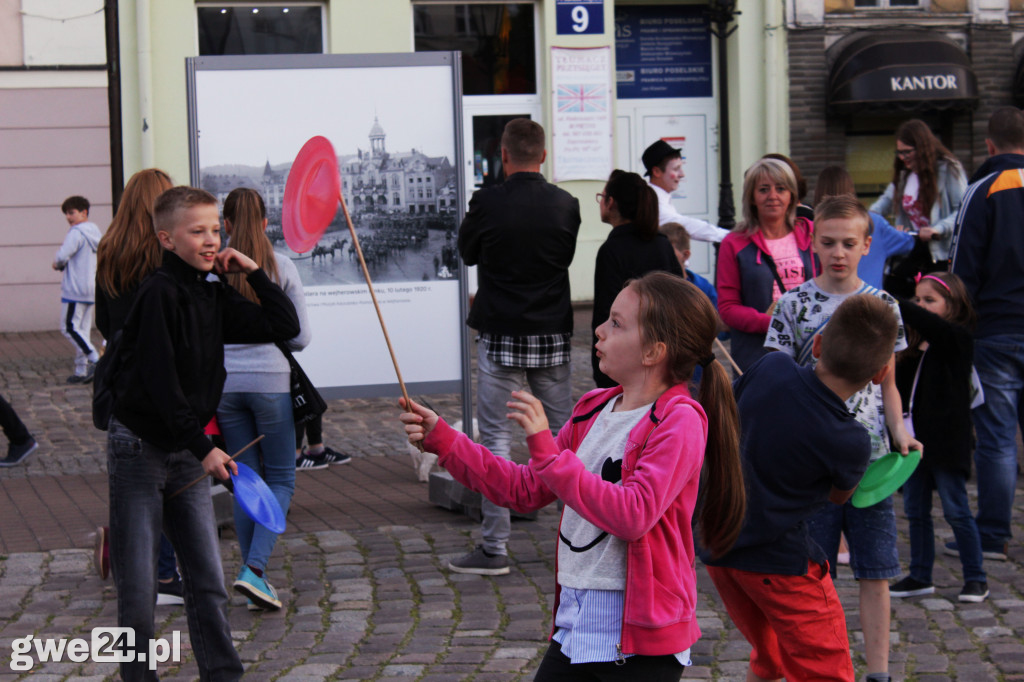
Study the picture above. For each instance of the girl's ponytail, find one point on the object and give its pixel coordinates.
(678, 314)
(723, 500)
(635, 200)
(245, 209)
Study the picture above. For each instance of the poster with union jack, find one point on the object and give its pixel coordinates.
(582, 98)
(581, 134)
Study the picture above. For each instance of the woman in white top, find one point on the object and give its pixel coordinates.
(927, 186)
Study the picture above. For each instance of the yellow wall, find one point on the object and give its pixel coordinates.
(757, 84)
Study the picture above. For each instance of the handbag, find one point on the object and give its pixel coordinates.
(307, 403)
(105, 373)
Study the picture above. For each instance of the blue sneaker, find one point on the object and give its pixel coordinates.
(257, 589)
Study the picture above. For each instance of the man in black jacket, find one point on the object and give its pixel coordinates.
(522, 236)
(988, 255)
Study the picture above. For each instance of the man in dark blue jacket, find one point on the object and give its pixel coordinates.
(988, 254)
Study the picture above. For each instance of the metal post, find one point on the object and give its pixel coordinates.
(114, 102)
(722, 13)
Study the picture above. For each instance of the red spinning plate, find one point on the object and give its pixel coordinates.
(311, 194)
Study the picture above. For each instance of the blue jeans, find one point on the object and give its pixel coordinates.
(494, 384)
(1000, 364)
(870, 533)
(166, 566)
(917, 504)
(141, 478)
(242, 417)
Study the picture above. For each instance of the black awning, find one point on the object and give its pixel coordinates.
(892, 71)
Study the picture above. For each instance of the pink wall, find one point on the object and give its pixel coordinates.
(54, 142)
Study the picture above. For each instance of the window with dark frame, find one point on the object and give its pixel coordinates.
(497, 41)
(257, 28)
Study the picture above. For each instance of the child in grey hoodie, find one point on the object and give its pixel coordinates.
(76, 257)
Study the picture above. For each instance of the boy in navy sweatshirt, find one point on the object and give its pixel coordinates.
(167, 388)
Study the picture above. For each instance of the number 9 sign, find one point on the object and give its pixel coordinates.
(579, 17)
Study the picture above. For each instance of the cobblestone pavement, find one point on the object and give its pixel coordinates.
(361, 569)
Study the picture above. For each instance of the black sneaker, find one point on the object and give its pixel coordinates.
(990, 553)
(909, 587)
(16, 454)
(308, 462)
(480, 562)
(975, 591)
(170, 594)
(334, 457)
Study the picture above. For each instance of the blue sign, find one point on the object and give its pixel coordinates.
(579, 17)
(662, 51)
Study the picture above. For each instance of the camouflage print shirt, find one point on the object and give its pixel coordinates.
(804, 311)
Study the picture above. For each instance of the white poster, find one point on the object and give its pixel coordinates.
(688, 133)
(392, 122)
(581, 136)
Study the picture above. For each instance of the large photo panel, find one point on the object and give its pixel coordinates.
(393, 122)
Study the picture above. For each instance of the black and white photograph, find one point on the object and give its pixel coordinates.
(397, 171)
(393, 130)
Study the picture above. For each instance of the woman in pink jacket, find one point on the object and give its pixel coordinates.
(627, 465)
(767, 254)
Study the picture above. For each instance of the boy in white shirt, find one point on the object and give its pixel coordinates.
(664, 164)
(842, 235)
(76, 257)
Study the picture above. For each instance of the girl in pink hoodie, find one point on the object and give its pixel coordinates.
(627, 465)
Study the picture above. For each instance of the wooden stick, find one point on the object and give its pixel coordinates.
(173, 495)
(721, 347)
(376, 306)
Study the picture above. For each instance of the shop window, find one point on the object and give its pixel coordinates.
(497, 41)
(869, 160)
(260, 28)
(890, 4)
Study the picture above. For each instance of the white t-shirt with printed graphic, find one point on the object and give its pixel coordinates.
(803, 312)
(588, 557)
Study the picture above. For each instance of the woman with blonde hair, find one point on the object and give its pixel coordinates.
(767, 254)
(257, 396)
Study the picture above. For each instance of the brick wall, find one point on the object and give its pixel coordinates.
(991, 51)
(813, 144)
(818, 138)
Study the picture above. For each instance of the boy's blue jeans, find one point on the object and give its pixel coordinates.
(917, 504)
(141, 478)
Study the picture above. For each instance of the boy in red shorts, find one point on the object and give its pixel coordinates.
(799, 453)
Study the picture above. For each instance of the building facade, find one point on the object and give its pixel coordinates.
(507, 65)
(859, 68)
(54, 143)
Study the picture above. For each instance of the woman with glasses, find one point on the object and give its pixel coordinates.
(633, 248)
(927, 186)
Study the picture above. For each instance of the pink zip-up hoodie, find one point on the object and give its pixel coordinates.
(651, 510)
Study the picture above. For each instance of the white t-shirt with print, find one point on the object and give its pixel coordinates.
(803, 312)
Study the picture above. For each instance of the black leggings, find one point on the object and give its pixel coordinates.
(313, 430)
(556, 667)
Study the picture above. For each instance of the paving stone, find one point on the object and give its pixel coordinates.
(362, 569)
